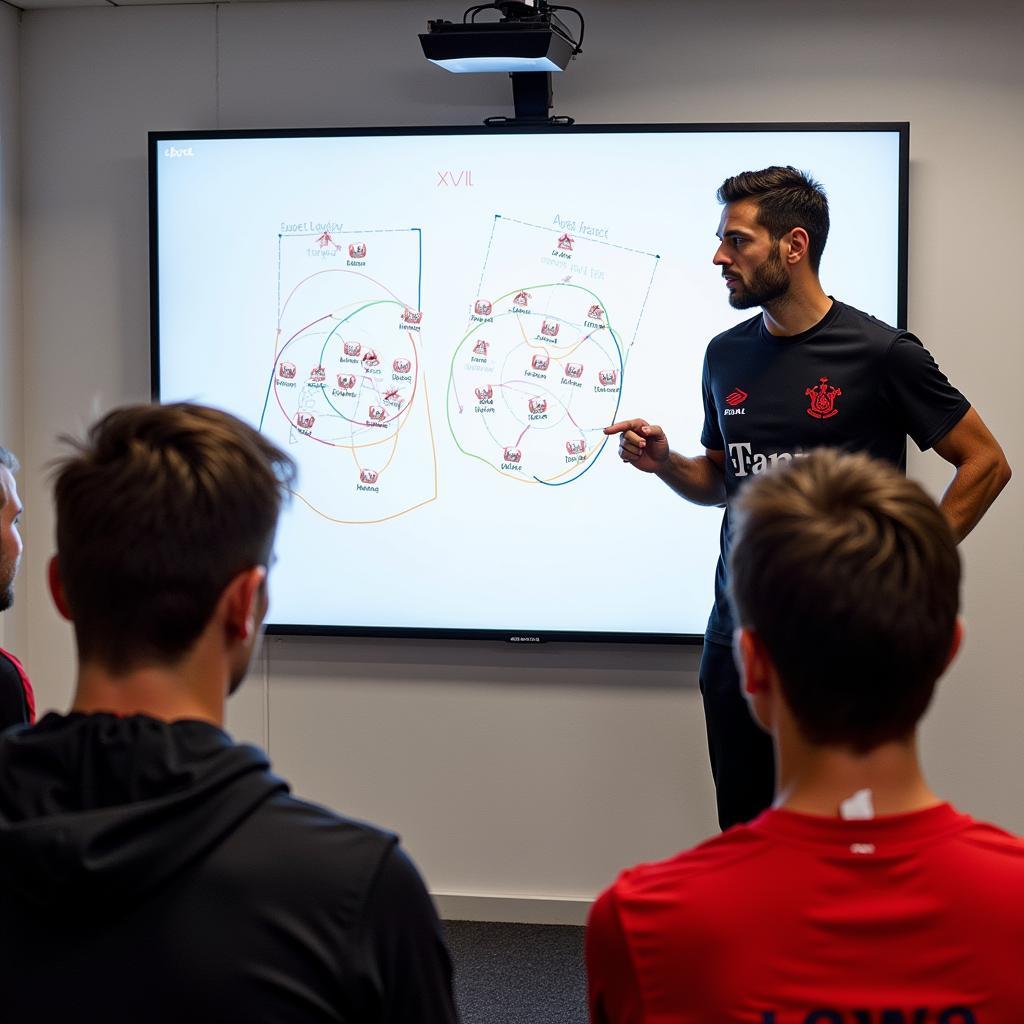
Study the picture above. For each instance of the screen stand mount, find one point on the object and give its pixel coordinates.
(531, 97)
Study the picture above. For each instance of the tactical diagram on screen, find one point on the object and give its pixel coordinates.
(347, 389)
(538, 373)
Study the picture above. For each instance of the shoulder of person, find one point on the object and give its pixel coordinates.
(8, 660)
(870, 326)
(994, 839)
(315, 821)
(324, 845)
(746, 329)
(694, 865)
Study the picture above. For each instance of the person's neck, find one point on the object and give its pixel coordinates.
(818, 780)
(797, 311)
(191, 688)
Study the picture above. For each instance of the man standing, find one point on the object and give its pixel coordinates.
(151, 868)
(17, 701)
(807, 371)
(861, 895)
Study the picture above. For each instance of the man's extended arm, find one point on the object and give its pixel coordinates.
(981, 472)
(700, 479)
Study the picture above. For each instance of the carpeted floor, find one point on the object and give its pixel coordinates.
(518, 973)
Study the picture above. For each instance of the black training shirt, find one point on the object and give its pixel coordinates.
(13, 705)
(850, 382)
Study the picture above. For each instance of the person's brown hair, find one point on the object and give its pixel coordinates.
(849, 573)
(157, 510)
(786, 199)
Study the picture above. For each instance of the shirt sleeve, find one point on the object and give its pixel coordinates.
(920, 393)
(408, 947)
(711, 435)
(613, 989)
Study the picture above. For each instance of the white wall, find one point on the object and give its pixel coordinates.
(536, 772)
(10, 275)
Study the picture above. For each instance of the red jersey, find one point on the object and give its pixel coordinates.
(798, 919)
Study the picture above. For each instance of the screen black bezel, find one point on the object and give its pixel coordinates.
(526, 636)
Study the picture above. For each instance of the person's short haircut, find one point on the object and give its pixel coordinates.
(9, 461)
(849, 574)
(786, 199)
(157, 511)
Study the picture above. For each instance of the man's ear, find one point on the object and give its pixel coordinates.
(797, 245)
(57, 588)
(955, 641)
(755, 666)
(758, 678)
(242, 603)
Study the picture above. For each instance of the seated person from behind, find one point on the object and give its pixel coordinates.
(152, 869)
(860, 897)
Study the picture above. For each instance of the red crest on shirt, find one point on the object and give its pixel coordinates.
(823, 399)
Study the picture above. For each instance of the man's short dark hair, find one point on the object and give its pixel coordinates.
(786, 199)
(9, 461)
(157, 511)
(849, 574)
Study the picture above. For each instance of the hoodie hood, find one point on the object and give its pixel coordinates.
(97, 810)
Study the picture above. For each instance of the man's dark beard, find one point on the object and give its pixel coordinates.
(770, 282)
(8, 570)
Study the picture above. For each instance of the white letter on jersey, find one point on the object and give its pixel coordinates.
(739, 455)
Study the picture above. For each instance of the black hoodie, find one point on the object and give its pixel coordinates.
(154, 871)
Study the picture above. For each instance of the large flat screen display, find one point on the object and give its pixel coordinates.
(436, 324)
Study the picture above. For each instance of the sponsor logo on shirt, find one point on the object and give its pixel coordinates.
(746, 462)
(823, 399)
(735, 398)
